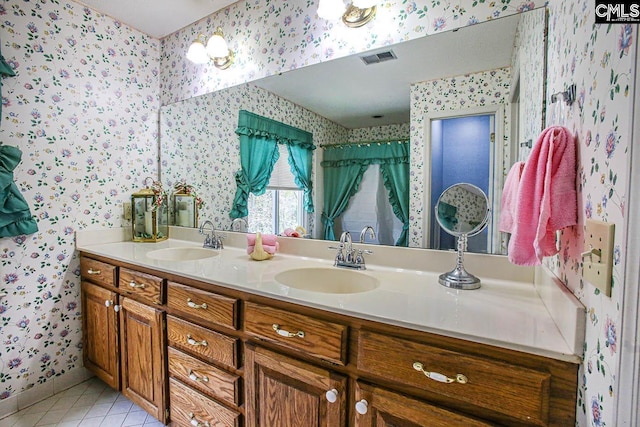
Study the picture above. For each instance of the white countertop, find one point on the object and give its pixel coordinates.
(502, 313)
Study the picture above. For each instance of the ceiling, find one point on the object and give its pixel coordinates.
(350, 93)
(157, 18)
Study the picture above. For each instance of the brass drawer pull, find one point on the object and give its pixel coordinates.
(194, 377)
(461, 379)
(196, 343)
(135, 285)
(287, 334)
(196, 306)
(196, 423)
(93, 272)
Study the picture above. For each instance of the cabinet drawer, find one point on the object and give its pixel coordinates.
(511, 390)
(202, 342)
(387, 405)
(190, 408)
(203, 377)
(98, 272)
(316, 337)
(142, 285)
(202, 305)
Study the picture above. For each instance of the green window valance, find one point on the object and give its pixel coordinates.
(251, 124)
(365, 154)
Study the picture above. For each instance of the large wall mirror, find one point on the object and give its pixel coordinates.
(496, 65)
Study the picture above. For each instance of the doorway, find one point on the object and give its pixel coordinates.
(461, 151)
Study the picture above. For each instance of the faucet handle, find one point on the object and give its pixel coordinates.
(339, 254)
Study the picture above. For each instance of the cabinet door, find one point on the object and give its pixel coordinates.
(285, 392)
(143, 349)
(100, 333)
(377, 407)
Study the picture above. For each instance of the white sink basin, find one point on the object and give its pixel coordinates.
(327, 280)
(186, 253)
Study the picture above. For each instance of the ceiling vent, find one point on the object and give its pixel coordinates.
(379, 57)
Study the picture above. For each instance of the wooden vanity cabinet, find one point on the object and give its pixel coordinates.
(124, 341)
(100, 327)
(143, 357)
(283, 391)
(236, 359)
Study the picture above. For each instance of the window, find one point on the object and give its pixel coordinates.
(282, 204)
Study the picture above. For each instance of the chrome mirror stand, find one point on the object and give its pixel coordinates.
(459, 278)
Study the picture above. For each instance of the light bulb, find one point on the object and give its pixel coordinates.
(217, 46)
(331, 9)
(197, 53)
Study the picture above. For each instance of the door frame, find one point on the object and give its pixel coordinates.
(628, 385)
(496, 177)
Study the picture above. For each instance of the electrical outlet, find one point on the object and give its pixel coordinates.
(597, 265)
(126, 214)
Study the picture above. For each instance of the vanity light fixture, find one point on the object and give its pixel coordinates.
(357, 14)
(215, 49)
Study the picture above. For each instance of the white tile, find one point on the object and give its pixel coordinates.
(42, 406)
(152, 422)
(35, 394)
(86, 400)
(108, 396)
(8, 421)
(121, 407)
(73, 423)
(91, 422)
(66, 402)
(135, 418)
(113, 420)
(8, 406)
(53, 417)
(76, 413)
(99, 410)
(70, 379)
(27, 420)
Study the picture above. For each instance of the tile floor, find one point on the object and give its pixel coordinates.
(88, 404)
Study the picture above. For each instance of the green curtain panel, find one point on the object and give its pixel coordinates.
(259, 139)
(345, 164)
(5, 71)
(15, 216)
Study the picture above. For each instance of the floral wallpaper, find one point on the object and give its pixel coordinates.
(380, 133)
(599, 59)
(82, 109)
(528, 64)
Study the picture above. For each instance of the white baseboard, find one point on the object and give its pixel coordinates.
(39, 392)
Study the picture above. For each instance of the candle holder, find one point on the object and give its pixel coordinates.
(186, 204)
(149, 213)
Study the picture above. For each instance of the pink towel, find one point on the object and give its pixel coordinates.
(510, 197)
(290, 232)
(270, 249)
(267, 239)
(547, 197)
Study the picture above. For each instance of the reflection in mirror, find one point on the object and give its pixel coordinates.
(456, 70)
(462, 211)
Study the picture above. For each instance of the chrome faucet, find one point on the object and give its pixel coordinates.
(240, 221)
(363, 233)
(211, 240)
(346, 256)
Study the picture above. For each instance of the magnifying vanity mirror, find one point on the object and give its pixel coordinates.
(462, 211)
